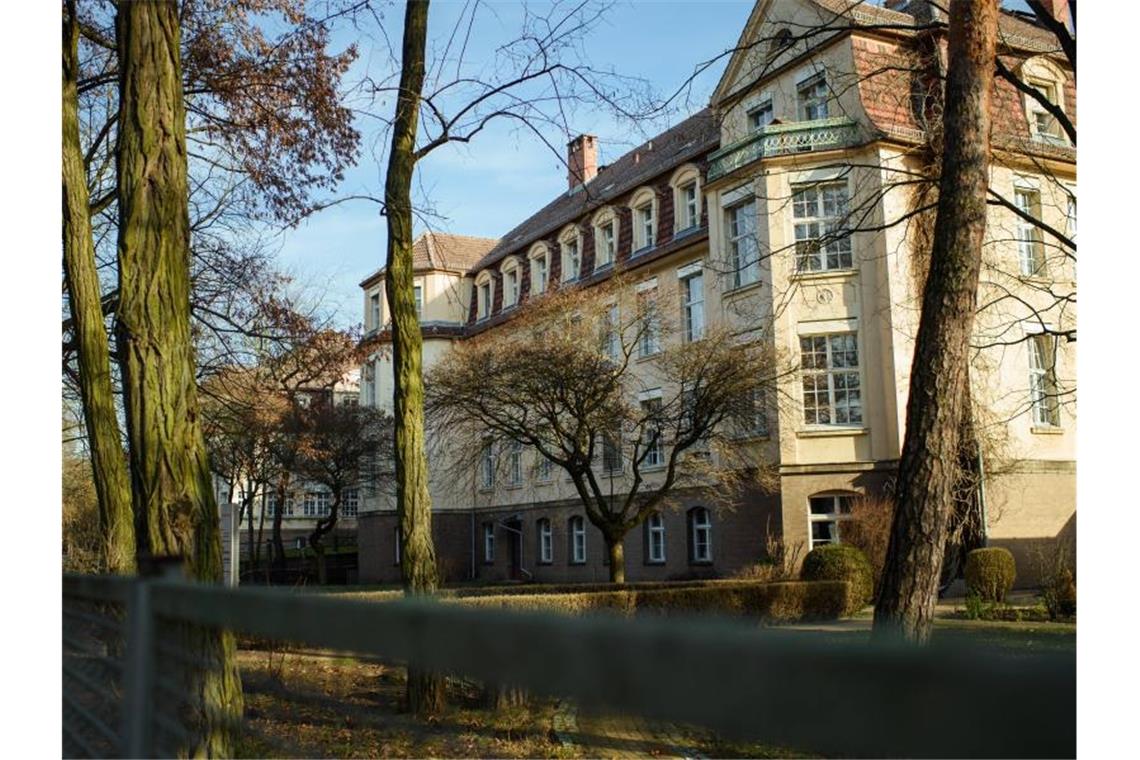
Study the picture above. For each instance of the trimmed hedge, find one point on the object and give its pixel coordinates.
(842, 562)
(990, 573)
(786, 602)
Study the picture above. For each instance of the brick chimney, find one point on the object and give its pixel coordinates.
(581, 160)
(1058, 9)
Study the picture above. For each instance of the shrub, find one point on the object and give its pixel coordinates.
(990, 573)
(770, 602)
(1054, 567)
(868, 529)
(840, 562)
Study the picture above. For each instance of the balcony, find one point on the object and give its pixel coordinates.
(783, 139)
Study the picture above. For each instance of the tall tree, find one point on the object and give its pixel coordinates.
(938, 390)
(175, 510)
(108, 460)
(425, 691)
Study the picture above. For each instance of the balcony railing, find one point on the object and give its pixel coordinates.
(782, 139)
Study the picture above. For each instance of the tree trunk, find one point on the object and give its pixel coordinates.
(251, 498)
(316, 538)
(278, 521)
(497, 696)
(425, 694)
(616, 549)
(175, 509)
(927, 468)
(84, 295)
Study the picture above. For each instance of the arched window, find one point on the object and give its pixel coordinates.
(686, 184)
(484, 294)
(605, 238)
(655, 539)
(539, 258)
(545, 541)
(1048, 80)
(577, 540)
(700, 535)
(571, 242)
(826, 512)
(643, 204)
(512, 281)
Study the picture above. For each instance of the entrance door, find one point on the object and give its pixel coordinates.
(514, 532)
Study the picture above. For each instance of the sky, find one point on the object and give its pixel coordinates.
(504, 175)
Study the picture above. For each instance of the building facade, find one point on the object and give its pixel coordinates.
(791, 206)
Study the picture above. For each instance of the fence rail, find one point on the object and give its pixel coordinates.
(786, 688)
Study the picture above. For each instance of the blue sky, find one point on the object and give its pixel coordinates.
(505, 175)
(502, 177)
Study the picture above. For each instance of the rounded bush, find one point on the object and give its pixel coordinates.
(841, 562)
(990, 573)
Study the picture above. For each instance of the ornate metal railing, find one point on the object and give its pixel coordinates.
(782, 139)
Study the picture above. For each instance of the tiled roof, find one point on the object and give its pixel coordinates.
(673, 147)
(442, 250)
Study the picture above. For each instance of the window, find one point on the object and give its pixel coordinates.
(539, 270)
(485, 293)
(544, 468)
(761, 115)
(510, 284)
(830, 365)
(822, 241)
(351, 502)
(419, 296)
(825, 513)
(654, 450)
(1043, 381)
(605, 242)
(577, 541)
(812, 95)
(1043, 124)
(655, 539)
(374, 311)
(271, 504)
(611, 452)
(753, 421)
(488, 542)
(1030, 248)
(545, 542)
(648, 339)
(369, 378)
(397, 544)
(610, 338)
(317, 503)
(571, 257)
(514, 464)
(487, 466)
(690, 206)
(700, 535)
(693, 305)
(743, 249)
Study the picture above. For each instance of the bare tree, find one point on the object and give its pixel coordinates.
(566, 382)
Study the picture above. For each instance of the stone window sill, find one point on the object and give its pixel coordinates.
(830, 432)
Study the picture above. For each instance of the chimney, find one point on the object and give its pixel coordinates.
(581, 160)
(1058, 9)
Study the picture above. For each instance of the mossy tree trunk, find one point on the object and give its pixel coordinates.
(175, 509)
(108, 460)
(425, 694)
(928, 466)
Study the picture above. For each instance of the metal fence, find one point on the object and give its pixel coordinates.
(122, 667)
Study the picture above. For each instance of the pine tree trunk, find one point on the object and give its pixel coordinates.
(108, 460)
(425, 693)
(928, 466)
(616, 549)
(176, 512)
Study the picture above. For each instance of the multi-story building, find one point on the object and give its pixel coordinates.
(794, 206)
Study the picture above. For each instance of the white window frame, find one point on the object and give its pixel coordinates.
(649, 339)
(687, 199)
(692, 282)
(418, 295)
(605, 239)
(351, 505)
(841, 504)
(1046, 409)
(512, 282)
(570, 241)
(812, 222)
(543, 468)
(701, 548)
(488, 543)
(375, 313)
(654, 457)
(756, 423)
(484, 295)
(743, 244)
(611, 333)
(761, 108)
(487, 466)
(577, 525)
(644, 228)
(539, 269)
(514, 464)
(612, 450)
(317, 503)
(831, 379)
(545, 541)
(1030, 242)
(655, 539)
(812, 96)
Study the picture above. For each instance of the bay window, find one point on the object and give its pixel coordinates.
(822, 241)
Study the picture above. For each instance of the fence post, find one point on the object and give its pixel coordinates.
(138, 671)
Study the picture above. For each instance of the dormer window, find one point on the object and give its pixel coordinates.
(1043, 124)
(686, 184)
(1047, 80)
(644, 219)
(812, 95)
(761, 115)
(605, 239)
(511, 282)
(539, 269)
(484, 294)
(571, 255)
